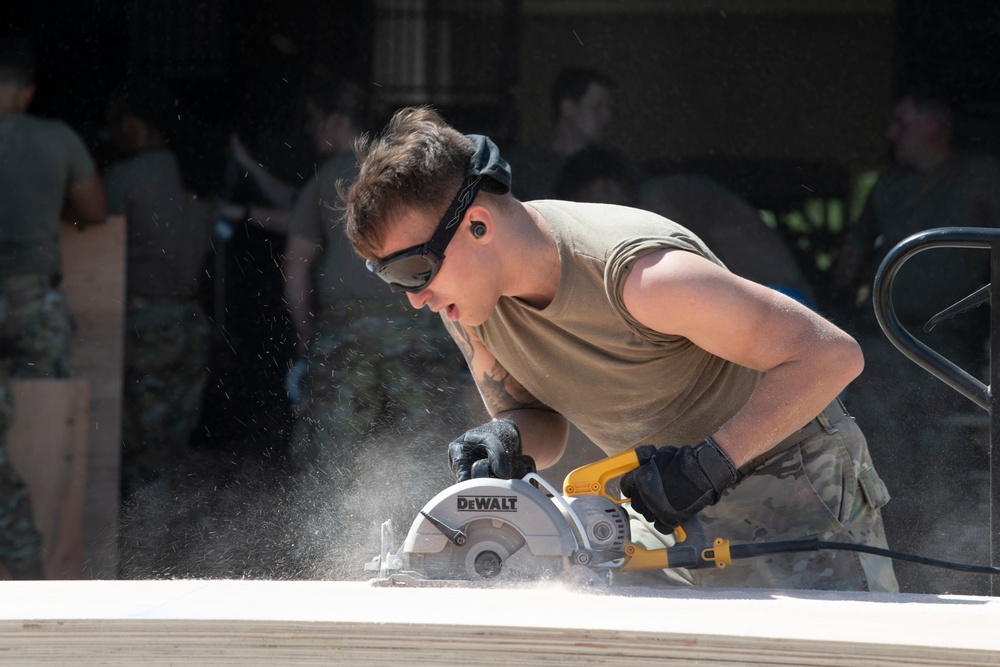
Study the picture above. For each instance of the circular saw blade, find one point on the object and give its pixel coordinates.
(493, 550)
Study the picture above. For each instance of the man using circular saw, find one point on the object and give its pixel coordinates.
(625, 324)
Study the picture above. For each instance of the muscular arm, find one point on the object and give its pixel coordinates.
(87, 201)
(543, 431)
(299, 255)
(806, 360)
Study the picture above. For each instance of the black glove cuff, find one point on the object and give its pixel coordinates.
(718, 467)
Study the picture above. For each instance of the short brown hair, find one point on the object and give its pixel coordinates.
(418, 161)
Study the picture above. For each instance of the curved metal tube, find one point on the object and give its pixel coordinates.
(931, 361)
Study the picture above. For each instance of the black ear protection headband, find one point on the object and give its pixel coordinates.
(412, 269)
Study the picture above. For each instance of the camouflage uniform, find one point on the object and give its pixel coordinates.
(35, 331)
(167, 346)
(825, 487)
(372, 369)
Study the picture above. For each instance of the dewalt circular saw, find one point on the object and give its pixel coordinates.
(487, 531)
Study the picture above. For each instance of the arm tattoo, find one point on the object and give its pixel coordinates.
(500, 390)
(462, 339)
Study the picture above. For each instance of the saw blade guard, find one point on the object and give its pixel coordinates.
(474, 529)
(514, 502)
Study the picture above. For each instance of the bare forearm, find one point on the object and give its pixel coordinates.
(543, 431)
(543, 434)
(787, 398)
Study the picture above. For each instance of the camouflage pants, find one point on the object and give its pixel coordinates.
(824, 487)
(369, 371)
(35, 333)
(167, 345)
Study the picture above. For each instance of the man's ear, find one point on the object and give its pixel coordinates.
(481, 223)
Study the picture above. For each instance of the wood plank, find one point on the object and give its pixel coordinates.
(307, 623)
(47, 443)
(94, 282)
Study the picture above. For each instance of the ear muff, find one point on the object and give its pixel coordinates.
(478, 230)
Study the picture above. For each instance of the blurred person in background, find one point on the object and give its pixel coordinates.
(46, 174)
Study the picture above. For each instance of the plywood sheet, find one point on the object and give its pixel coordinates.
(94, 282)
(47, 443)
(304, 623)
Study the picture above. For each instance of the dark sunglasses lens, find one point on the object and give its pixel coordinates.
(408, 273)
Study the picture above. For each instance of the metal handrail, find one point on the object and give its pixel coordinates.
(930, 360)
(933, 362)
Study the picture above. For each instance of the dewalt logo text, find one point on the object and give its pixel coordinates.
(487, 503)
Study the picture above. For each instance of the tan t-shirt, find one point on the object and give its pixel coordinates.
(584, 356)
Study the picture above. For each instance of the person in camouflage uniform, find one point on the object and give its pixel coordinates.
(42, 164)
(627, 325)
(367, 362)
(167, 336)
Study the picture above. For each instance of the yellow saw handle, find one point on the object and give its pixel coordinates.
(592, 479)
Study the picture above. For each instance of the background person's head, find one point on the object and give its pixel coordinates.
(581, 106)
(920, 131)
(336, 111)
(139, 116)
(17, 75)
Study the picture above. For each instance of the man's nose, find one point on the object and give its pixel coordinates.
(418, 299)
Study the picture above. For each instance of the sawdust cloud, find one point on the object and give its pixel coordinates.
(257, 519)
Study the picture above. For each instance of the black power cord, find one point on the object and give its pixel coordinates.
(792, 546)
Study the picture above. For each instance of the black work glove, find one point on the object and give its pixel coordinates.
(672, 484)
(490, 450)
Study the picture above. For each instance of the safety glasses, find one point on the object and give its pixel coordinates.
(412, 269)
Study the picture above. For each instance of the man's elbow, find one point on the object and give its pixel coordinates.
(847, 359)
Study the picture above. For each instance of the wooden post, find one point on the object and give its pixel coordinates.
(47, 444)
(94, 282)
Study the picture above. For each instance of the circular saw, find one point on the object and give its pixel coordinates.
(493, 530)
